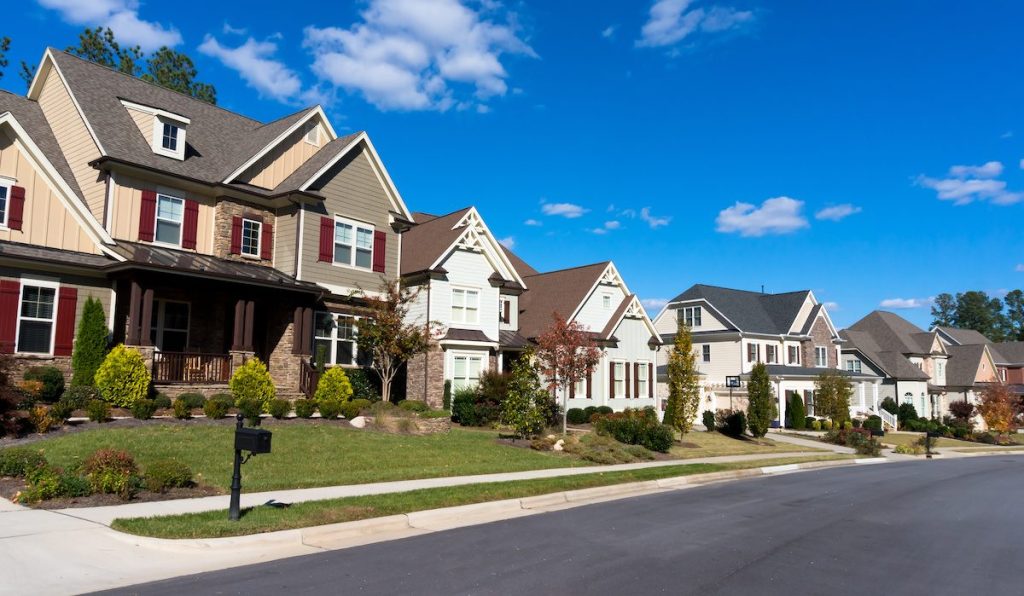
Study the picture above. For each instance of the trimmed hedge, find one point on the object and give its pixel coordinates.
(279, 408)
(165, 474)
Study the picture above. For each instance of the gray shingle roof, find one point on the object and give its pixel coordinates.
(30, 116)
(425, 242)
(17, 250)
(893, 364)
(1008, 352)
(962, 368)
(751, 312)
(556, 291)
(807, 371)
(893, 333)
(964, 336)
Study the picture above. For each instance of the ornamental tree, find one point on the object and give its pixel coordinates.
(387, 338)
(761, 408)
(998, 408)
(683, 383)
(567, 355)
(90, 344)
(521, 407)
(832, 396)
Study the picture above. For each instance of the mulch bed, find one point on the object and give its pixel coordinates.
(10, 487)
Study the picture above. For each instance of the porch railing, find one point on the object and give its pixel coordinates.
(190, 367)
(308, 379)
(888, 418)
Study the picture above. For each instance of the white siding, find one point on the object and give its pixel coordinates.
(466, 270)
(801, 316)
(632, 347)
(668, 321)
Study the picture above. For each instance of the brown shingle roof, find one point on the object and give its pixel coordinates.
(425, 242)
(312, 165)
(555, 292)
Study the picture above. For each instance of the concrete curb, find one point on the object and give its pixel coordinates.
(347, 534)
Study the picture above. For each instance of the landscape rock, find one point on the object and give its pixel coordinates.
(559, 445)
(358, 421)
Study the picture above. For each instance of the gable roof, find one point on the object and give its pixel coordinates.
(630, 306)
(964, 362)
(962, 336)
(559, 291)
(521, 266)
(1008, 353)
(752, 312)
(893, 364)
(31, 117)
(317, 162)
(893, 333)
(429, 239)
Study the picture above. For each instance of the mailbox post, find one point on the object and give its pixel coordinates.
(731, 382)
(253, 440)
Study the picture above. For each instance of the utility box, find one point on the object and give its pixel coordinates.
(254, 440)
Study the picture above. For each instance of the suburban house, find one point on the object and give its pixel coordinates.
(791, 333)
(209, 237)
(465, 281)
(983, 354)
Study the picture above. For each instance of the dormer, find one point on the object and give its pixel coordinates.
(164, 130)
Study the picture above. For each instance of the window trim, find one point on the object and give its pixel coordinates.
(790, 352)
(642, 390)
(332, 354)
(156, 220)
(606, 300)
(6, 184)
(693, 314)
(465, 308)
(705, 353)
(159, 318)
(39, 283)
(854, 365)
(820, 351)
(613, 392)
(771, 354)
(259, 238)
(355, 234)
(468, 356)
(156, 143)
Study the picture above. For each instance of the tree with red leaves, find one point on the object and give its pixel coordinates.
(566, 354)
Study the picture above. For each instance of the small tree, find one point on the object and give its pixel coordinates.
(251, 384)
(123, 378)
(832, 396)
(90, 344)
(998, 408)
(520, 408)
(796, 412)
(566, 354)
(683, 383)
(761, 408)
(386, 336)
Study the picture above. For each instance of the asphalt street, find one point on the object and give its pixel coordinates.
(923, 527)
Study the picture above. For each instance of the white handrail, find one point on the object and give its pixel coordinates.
(888, 418)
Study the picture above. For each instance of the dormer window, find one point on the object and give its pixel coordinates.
(169, 139)
(166, 135)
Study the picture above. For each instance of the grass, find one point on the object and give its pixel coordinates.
(900, 438)
(711, 444)
(308, 455)
(213, 524)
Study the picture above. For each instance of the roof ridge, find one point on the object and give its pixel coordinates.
(158, 86)
(571, 268)
(276, 120)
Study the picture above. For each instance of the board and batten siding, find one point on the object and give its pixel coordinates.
(594, 314)
(352, 191)
(466, 270)
(46, 220)
(127, 205)
(286, 238)
(279, 163)
(74, 139)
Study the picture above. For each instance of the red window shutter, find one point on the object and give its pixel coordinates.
(590, 383)
(16, 208)
(267, 242)
(326, 240)
(67, 303)
(650, 380)
(191, 230)
(636, 380)
(236, 235)
(380, 243)
(147, 216)
(10, 294)
(572, 391)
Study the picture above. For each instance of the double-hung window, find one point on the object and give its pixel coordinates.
(465, 371)
(169, 215)
(5, 197)
(465, 306)
(36, 317)
(251, 230)
(690, 316)
(580, 389)
(336, 336)
(641, 379)
(753, 352)
(706, 352)
(169, 137)
(820, 357)
(353, 244)
(853, 365)
(769, 354)
(794, 355)
(619, 390)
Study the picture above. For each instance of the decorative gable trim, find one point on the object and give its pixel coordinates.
(633, 310)
(477, 237)
(36, 88)
(315, 112)
(609, 277)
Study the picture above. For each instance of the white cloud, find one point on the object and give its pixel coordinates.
(779, 215)
(653, 221)
(417, 54)
(671, 21)
(989, 169)
(1019, 268)
(608, 31)
(834, 306)
(253, 60)
(905, 303)
(966, 184)
(1006, 135)
(508, 242)
(599, 231)
(612, 225)
(837, 212)
(569, 210)
(1022, 164)
(533, 222)
(654, 304)
(229, 30)
(122, 16)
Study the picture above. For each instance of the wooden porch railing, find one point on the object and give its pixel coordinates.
(189, 367)
(308, 379)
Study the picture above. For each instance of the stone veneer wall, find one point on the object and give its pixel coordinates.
(224, 213)
(430, 367)
(283, 365)
(820, 336)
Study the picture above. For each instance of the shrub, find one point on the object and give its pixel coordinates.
(708, 418)
(61, 410)
(857, 423)
(41, 420)
(816, 425)
(659, 438)
(635, 427)
(164, 474)
(98, 410)
(847, 425)
(279, 408)
(889, 405)
(182, 409)
(45, 482)
(873, 422)
(365, 384)
(735, 424)
(218, 406)
(329, 408)
(90, 344)
(826, 424)
(961, 409)
(446, 399)
(589, 411)
(604, 410)
(575, 416)
(333, 385)
(464, 408)
(304, 408)
(252, 383)
(605, 450)
(413, 405)
(352, 408)
(123, 378)
(798, 412)
(250, 409)
(52, 382)
(143, 409)
(112, 471)
(164, 401)
(906, 412)
(914, 448)
(194, 401)
(18, 461)
(858, 438)
(809, 421)
(79, 396)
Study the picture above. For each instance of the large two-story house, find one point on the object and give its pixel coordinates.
(733, 330)
(208, 237)
(976, 362)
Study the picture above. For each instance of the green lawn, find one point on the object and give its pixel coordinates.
(308, 455)
(212, 524)
(901, 438)
(710, 444)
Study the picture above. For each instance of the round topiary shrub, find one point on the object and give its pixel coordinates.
(252, 383)
(165, 474)
(98, 410)
(217, 406)
(193, 400)
(334, 385)
(163, 401)
(304, 408)
(123, 378)
(279, 408)
(575, 416)
(143, 409)
(250, 409)
(182, 409)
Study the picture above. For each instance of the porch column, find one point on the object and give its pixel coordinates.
(874, 395)
(250, 317)
(147, 317)
(238, 333)
(134, 313)
(780, 395)
(307, 331)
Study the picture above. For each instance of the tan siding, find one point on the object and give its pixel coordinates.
(74, 139)
(352, 191)
(46, 221)
(87, 287)
(127, 204)
(145, 123)
(286, 239)
(277, 165)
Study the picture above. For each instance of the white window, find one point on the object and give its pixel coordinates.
(940, 369)
(606, 300)
(853, 365)
(689, 316)
(794, 355)
(336, 335)
(770, 357)
(353, 244)
(641, 379)
(169, 331)
(706, 349)
(169, 214)
(5, 193)
(753, 352)
(580, 390)
(619, 390)
(169, 137)
(820, 356)
(465, 306)
(313, 136)
(466, 371)
(251, 229)
(505, 310)
(36, 317)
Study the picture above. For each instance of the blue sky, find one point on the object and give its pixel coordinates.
(869, 151)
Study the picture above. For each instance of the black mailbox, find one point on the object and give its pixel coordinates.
(254, 440)
(877, 432)
(934, 434)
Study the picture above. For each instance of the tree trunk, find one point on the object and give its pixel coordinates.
(565, 412)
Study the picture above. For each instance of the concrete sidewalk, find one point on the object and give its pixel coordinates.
(106, 515)
(782, 437)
